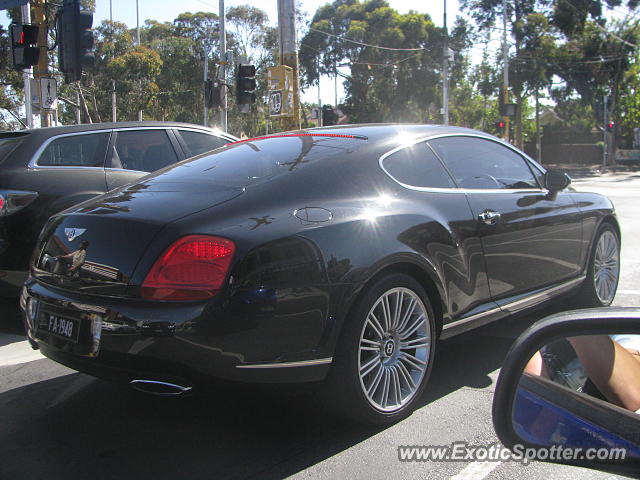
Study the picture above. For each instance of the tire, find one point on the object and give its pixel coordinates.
(381, 367)
(603, 273)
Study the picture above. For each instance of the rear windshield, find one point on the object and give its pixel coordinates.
(250, 162)
(7, 145)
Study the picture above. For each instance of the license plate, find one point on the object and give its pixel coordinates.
(60, 326)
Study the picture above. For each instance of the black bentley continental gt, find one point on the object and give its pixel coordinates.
(338, 254)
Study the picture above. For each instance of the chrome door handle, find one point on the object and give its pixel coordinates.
(489, 217)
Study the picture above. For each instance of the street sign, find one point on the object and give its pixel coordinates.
(35, 96)
(48, 93)
(280, 85)
(275, 103)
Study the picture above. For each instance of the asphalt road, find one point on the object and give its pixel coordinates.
(59, 424)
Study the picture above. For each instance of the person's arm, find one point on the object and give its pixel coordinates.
(536, 366)
(611, 368)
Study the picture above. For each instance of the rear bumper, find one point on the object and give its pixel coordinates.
(172, 342)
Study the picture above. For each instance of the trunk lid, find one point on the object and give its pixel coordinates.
(94, 247)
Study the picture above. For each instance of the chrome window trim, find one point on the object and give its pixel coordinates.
(303, 363)
(33, 163)
(531, 299)
(154, 127)
(524, 156)
(111, 169)
(213, 133)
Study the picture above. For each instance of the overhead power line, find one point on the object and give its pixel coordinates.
(368, 44)
(389, 64)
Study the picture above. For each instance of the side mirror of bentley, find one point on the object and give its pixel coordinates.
(569, 391)
(556, 180)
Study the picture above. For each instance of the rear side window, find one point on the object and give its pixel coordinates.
(197, 142)
(8, 144)
(75, 151)
(143, 150)
(417, 166)
(477, 163)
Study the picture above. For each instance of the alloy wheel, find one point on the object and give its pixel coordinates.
(606, 267)
(394, 349)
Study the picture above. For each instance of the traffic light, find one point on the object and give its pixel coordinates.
(499, 126)
(75, 39)
(245, 86)
(329, 116)
(611, 126)
(213, 93)
(24, 52)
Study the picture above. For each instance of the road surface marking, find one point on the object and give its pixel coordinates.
(16, 351)
(476, 471)
(628, 292)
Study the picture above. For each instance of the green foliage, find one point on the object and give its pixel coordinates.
(383, 85)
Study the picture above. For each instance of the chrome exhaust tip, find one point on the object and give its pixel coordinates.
(162, 389)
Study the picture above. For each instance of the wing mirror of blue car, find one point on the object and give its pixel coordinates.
(556, 180)
(569, 391)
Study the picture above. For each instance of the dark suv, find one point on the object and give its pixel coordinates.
(44, 171)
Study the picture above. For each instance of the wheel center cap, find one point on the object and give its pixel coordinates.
(388, 348)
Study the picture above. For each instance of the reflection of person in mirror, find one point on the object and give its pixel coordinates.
(75, 259)
(613, 369)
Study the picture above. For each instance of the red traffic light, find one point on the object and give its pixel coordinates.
(24, 50)
(611, 125)
(500, 124)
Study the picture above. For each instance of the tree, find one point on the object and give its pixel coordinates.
(250, 35)
(394, 59)
(137, 72)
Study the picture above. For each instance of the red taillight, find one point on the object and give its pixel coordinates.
(192, 268)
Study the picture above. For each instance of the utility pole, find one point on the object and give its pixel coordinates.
(205, 77)
(137, 24)
(319, 96)
(26, 75)
(605, 150)
(113, 82)
(289, 56)
(223, 68)
(335, 83)
(538, 137)
(505, 61)
(445, 70)
(43, 61)
(138, 44)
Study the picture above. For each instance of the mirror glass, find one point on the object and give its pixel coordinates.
(582, 392)
(556, 180)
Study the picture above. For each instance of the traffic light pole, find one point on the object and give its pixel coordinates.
(26, 18)
(223, 68)
(43, 61)
(505, 61)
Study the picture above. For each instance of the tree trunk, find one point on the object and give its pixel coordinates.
(83, 105)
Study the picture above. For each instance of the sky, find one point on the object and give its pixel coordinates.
(167, 10)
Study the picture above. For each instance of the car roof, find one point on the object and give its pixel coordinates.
(405, 132)
(47, 132)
